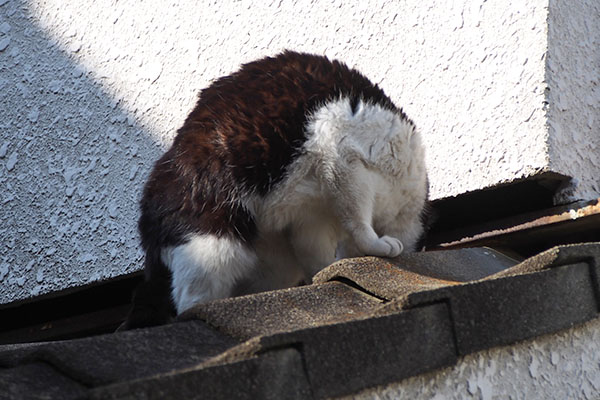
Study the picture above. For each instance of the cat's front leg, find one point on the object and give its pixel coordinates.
(369, 243)
(354, 192)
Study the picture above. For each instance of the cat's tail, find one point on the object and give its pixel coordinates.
(152, 303)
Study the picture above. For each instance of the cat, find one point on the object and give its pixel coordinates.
(281, 168)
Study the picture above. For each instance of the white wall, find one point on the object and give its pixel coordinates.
(560, 366)
(573, 76)
(91, 93)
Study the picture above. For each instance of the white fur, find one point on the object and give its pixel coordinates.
(206, 268)
(360, 183)
(357, 189)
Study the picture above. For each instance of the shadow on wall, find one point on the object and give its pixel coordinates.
(72, 163)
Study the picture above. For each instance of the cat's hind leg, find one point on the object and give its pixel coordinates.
(207, 267)
(314, 238)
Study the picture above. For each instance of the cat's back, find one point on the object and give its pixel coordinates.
(252, 130)
(253, 122)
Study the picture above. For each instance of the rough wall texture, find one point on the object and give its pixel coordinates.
(559, 366)
(573, 76)
(91, 95)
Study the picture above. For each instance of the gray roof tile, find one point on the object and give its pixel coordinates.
(121, 356)
(415, 272)
(285, 310)
(276, 375)
(37, 380)
(494, 312)
(340, 358)
(363, 322)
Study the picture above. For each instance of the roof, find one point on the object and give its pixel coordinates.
(363, 322)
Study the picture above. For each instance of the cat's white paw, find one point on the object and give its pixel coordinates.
(385, 246)
(395, 245)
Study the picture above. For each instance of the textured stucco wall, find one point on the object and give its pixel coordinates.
(573, 76)
(560, 366)
(91, 94)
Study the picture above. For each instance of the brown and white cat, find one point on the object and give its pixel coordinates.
(282, 167)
